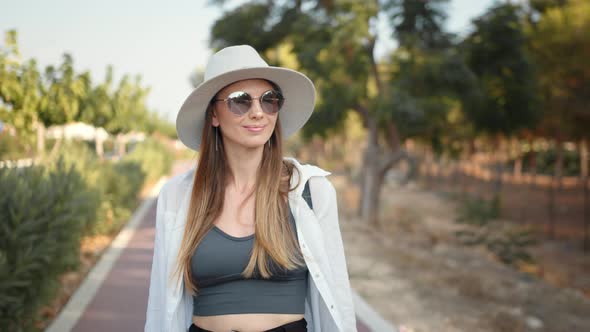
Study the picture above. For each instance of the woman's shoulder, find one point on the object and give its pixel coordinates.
(307, 170)
(176, 184)
(319, 183)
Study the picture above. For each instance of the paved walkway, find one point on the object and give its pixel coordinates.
(120, 301)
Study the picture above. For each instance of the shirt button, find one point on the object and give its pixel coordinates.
(303, 245)
(332, 306)
(317, 275)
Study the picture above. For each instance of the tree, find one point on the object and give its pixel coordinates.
(334, 45)
(19, 91)
(560, 46)
(419, 24)
(129, 109)
(62, 93)
(508, 100)
(496, 53)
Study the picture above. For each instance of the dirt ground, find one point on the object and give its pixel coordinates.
(415, 273)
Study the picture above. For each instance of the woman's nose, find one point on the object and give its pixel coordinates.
(256, 109)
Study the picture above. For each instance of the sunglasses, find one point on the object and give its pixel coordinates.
(240, 102)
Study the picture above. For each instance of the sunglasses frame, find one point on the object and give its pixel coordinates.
(231, 98)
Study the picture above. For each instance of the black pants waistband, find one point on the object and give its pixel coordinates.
(296, 326)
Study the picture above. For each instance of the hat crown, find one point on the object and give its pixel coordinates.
(233, 58)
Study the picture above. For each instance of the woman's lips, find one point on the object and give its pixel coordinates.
(254, 129)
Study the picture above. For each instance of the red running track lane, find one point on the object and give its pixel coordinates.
(121, 300)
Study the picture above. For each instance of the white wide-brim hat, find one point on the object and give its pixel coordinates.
(236, 63)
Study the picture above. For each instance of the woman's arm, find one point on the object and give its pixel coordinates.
(325, 206)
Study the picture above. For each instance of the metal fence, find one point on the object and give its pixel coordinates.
(560, 207)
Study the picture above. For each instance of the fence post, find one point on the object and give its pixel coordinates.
(586, 215)
(551, 208)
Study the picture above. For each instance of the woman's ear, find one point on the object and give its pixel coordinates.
(214, 119)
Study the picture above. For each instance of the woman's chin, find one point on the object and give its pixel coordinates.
(251, 143)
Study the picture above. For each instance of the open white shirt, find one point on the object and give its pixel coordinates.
(328, 303)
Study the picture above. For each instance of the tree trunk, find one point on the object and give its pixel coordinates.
(586, 216)
(555, 179)
(369, 197)
(499, 167)
(517, 171)
(584, 175)
(584, 158)
(533, 164)
(559, 164)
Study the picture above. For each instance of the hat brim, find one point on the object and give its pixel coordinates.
(298, 90)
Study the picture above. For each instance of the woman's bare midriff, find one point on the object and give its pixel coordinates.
(244, 322)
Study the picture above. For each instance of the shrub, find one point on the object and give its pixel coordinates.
(45, 210)
(117, 185)
(478, 211)
(11, 147)
(120, 182)
(508, 243)
(153, 157)
(42, 215)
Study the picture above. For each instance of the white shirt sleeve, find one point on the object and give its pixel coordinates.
(325, 206)
(156, 308)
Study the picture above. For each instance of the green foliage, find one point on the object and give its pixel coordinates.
(63, 93)
(43, 213)
(60, 95)
(543, 5)
(250, 17)
(119, 185)
(425, 98)
(418, 24)
(560, 46)
(478, 211)
(116, 184)
(45, 209)
(329, 40)
(129, 108)
(10, 147)
(334, 41)
(508, 245)
(496, 53)
(19, 93)
(546, 160)
(97, 108)
(153, 158)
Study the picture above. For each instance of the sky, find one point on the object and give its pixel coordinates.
(163, 41)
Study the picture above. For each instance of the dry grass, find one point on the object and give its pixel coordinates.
(414, 272)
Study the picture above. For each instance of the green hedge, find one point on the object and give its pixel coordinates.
(43, 213)
(155, 159)
(45, 210)
(117, 183)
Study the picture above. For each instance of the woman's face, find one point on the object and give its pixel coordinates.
(252, 129)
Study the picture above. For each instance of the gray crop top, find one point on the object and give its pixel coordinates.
(221, 258)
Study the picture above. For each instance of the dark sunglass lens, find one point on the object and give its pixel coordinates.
(239, 102)
(272, 101)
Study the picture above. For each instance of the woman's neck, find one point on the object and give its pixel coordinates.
(244, 163)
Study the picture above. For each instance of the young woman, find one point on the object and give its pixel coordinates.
(248, 240)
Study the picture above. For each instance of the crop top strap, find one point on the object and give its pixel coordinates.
(307, 195)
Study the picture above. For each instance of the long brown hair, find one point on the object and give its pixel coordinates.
(274, 237)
